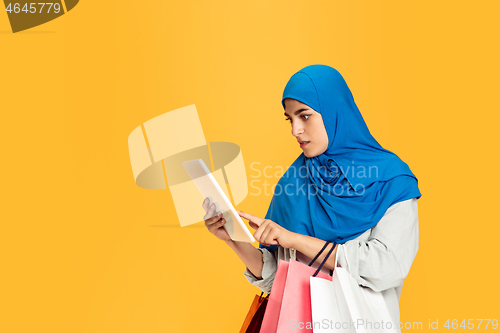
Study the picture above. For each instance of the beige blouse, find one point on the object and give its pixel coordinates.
(379, 259)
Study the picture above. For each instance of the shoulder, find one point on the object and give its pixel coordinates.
(399, 218)
(409, 206)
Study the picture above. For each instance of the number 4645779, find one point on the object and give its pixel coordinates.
(34, 8)
(472, 323)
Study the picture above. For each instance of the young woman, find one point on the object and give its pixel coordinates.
(344, 188)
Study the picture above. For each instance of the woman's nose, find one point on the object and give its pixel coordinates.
(297, 129)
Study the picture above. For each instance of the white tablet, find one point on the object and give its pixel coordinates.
(209, 187)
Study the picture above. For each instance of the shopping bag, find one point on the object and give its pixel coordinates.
(259, 302)
(271, 317)
(256, 322)
(289, 305)
(342, 305)
(329, 308)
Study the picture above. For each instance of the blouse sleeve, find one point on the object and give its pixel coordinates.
(268, 271)
(383, 260)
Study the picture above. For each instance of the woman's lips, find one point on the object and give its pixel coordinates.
(302, 145)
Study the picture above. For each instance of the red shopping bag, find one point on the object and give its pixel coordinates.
(289, 305)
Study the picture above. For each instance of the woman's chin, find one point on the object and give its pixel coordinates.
(309, 155)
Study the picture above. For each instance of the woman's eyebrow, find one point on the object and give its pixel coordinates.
(296, 112)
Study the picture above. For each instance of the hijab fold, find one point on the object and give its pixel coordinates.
(345, 191)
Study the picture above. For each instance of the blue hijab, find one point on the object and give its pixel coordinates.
(345, 191)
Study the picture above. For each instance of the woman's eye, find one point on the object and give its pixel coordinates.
(305, 116)
(288, 119)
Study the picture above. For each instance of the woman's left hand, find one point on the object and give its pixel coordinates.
(269, 232)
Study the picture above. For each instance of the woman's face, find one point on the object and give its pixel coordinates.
(307, 127)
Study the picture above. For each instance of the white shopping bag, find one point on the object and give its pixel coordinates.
(341, 305)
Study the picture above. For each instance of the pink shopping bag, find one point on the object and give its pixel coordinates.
(289, 305)
(296, 313)
(270, 321)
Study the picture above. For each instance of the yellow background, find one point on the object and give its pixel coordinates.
(85, 250)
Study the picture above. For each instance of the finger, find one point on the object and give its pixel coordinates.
(212, 209)
(266, 233)
(219, 224)
(206, 203)
(262, 229)
(213, 219)
(210, 212)
(253, 225)
(271, 237)
(269, 242)
(274, 242)
(255, 219)
(207, 216)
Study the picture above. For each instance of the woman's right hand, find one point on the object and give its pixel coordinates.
(215, 223)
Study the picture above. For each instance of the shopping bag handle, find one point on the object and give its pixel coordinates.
(319, 253)
(324, 260)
